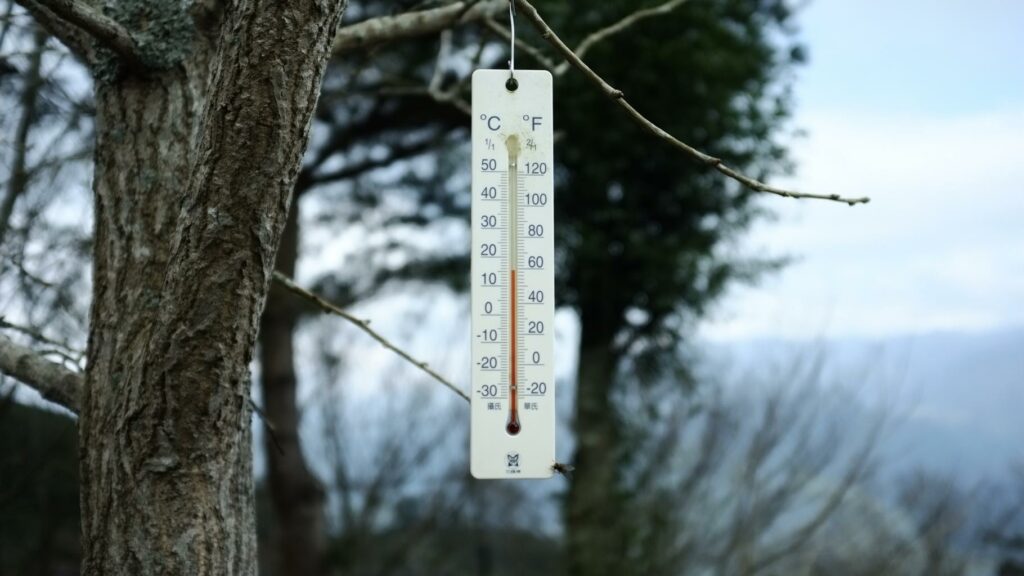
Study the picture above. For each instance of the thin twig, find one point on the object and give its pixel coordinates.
(17, 184)
(443, 55)
(61, 349)
(67, 351)
(619, 97)
(399, 152)
(271, 429)
(364, 325)
(617, 28)
(449, 97)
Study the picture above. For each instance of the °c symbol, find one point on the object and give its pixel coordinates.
(493, 122)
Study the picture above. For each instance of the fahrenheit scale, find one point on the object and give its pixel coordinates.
(512, 434)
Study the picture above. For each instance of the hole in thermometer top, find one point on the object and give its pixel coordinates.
(512, 431)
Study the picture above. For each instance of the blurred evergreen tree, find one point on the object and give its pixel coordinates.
(646, 236)
(39, 521)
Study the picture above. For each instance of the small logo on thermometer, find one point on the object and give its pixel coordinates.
(512, 460)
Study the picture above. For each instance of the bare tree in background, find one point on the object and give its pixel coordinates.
(939, 512)
(1005, 529)
(45, 131)
(399, 498)
(742, 480)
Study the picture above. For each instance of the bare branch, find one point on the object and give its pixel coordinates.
(449, 97)
(71, 36)
(619, 97)
(617, 28)
(18, 182)
(398, 152)
(56, 383)
(364, 325)
(435, 89)
(68, 19)
(443, 54)
(61, 349)
(384, 29)
(855, 473)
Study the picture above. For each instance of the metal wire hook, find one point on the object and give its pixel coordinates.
(512, 83)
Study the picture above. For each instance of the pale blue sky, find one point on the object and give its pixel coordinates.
(935, 57)
(919, 105)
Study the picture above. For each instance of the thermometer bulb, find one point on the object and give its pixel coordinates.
(513, 427)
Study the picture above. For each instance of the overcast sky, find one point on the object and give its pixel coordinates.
(920, 105)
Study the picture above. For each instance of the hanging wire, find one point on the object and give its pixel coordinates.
(512, 83)
(512, 48)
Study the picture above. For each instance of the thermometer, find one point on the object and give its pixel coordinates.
(512, 433)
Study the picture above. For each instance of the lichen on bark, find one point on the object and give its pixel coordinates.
(164, 33)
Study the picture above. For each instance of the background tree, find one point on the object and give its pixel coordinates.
(1004, 530)
(644, 239)
(38, 490)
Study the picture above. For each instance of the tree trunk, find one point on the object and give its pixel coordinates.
(596, 540)
(296, 495)
(195, 166)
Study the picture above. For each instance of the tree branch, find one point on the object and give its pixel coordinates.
(59, 348)
(617, 28)
(56, 383)
(17, 184)
(858, 467)
(71, 36)
(399, 152)
(619, 97)
(386, 29)
(68, 19)
(364, 325)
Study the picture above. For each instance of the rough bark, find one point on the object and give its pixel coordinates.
(194, 169)
(596, 543)
(128, 441)
(296, 495)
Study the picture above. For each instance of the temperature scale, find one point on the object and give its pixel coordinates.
(512, 434)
